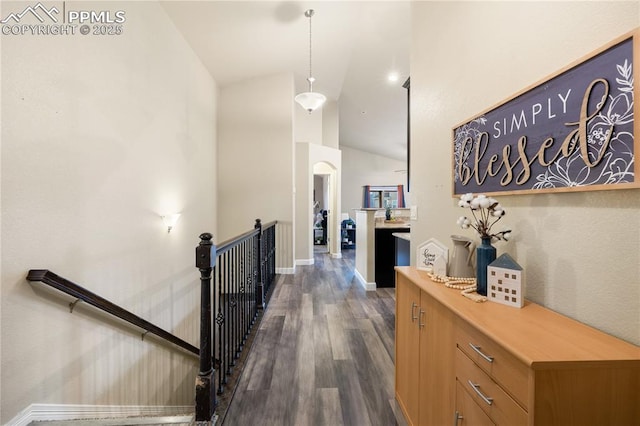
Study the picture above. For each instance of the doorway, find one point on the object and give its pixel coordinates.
(325, 202)
(320, 212)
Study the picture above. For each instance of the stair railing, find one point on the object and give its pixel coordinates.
(238, 273)
(81, 294)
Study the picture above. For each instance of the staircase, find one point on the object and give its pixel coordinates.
(186, 420)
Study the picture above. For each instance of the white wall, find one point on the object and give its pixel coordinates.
(100, 135)
(362, 168)
(256, 160)
(312, 133)
(319, 127)
(307, 127)
(304, 208)
(331, 124)
(580, 251)
(320, 160)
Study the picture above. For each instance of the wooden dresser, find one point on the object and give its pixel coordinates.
(464, 363)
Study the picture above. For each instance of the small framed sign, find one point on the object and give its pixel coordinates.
(574, 131)
(433, 256)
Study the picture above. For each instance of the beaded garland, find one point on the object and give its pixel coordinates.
(467, 285)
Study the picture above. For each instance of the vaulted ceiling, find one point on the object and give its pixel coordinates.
(356, 44)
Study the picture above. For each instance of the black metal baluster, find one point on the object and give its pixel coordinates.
(243, 310)
(272, 259)
(220, 323)
(259, 286)
(236, 292)
(225, 313)
(220, 320)
(254, 274)
(233, 351)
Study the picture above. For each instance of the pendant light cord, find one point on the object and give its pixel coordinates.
(310, 53)
(309, 14)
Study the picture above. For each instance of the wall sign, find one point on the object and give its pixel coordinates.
(571, 132)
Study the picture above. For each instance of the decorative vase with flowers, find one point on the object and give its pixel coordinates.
(486, 212)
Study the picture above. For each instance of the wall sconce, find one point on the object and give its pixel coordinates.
(170, 220)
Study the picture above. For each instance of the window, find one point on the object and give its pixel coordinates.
(381, 197)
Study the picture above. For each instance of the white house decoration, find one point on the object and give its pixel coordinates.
(505, 282)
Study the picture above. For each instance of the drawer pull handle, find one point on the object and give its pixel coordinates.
(483, 355)
(476, 388)
(420, 323)
(413, 307)
(457, 417)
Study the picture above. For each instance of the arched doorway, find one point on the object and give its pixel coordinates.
(325, 190)
(312, 160)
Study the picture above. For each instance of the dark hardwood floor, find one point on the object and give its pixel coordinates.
(323, 354)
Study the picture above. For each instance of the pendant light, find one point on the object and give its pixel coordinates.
(310, 100)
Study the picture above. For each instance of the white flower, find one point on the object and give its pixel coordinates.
(467, 197)
(486, 212)
(463, 222)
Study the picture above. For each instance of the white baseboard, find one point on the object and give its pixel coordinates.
(44, 412)
(367, 286)
(336, 255)
(286, 271)
(303, 262)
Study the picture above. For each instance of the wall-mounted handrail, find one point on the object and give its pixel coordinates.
(80, 293)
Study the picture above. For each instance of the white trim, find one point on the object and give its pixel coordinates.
(44, 412)
(286, 271)
(367, 286)
(302, 262)
(336, 255)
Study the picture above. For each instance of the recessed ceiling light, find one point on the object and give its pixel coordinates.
(393, 77)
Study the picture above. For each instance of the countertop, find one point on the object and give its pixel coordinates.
(393, 224)
(402, 235)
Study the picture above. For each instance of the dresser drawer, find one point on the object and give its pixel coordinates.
(467, 411)
(502, 366)
(490, 396)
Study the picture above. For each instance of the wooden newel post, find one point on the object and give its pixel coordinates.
(205, 394)
(260, 264)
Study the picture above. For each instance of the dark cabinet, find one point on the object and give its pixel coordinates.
(385, 260)
(403, 248)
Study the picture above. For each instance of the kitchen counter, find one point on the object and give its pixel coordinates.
(403, 235)
(375, 251)
(393, 224)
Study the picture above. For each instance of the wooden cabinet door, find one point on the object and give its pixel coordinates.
(407, 346)
(437, 361)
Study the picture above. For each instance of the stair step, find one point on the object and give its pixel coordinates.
(186, 420)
